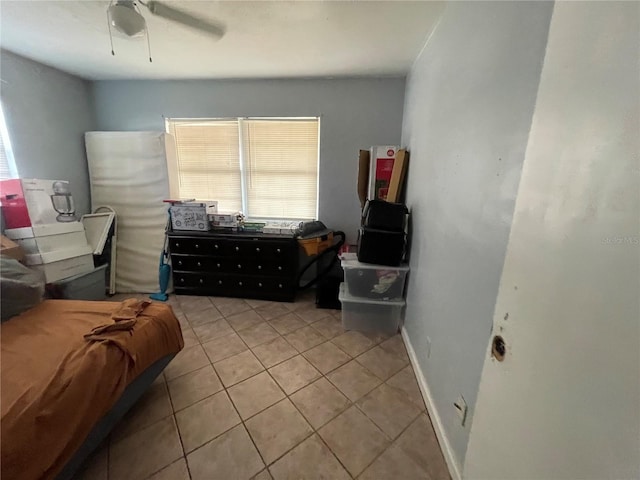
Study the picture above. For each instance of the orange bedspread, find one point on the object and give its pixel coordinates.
(56, 385)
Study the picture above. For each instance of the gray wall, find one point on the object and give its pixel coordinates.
(355, 113)
(468, 110)
(47, 112)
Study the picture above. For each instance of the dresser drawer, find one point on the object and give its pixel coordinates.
(239, 286)
(259, 266)
(199, 246)
(199, 263)
(233, 284)
(277, 285)
(190, 279)
(261, 249)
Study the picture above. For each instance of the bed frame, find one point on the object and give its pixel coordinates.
(101, 430)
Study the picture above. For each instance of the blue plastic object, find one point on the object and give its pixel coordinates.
(164, 270)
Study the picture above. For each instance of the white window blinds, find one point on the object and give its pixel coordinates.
(208, 157)
(281, 167)
(4, 161)
(7, 163)
(267, 168)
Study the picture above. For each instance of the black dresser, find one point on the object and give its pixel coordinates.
(249, 265)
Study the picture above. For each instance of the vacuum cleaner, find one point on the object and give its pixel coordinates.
(164, 271)
(320, 242)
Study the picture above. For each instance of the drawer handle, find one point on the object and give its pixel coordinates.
(219, 282)
(279, 267)
(215, 246)
(197, 246)
(237, 249)
(177, 244)
(260, 284)
(259, 267)
(182, 280)
(179, 262)
(199, 264)
(239, 266)
(278, 250)
(240, 283)
(218, 265)
(257, 249)
(279, 285)
(201, 281)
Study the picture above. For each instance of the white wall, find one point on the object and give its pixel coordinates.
(47, 113)
(355, 113)
(565, 403)
(468, 109)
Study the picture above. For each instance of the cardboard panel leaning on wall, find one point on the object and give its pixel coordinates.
(47, 112)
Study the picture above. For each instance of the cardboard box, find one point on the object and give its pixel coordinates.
(31, 202)
(225, 219)
(11, 249)
(396, 185)
(192, 215)
(49, 238)
(380, 170)
(286, 227)
(62, 263)
(364, 160)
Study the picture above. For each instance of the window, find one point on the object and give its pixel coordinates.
(266, 167)
(7, 163)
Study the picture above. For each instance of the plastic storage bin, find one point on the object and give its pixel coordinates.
(86, 286)
(370, 315)
(376, 282)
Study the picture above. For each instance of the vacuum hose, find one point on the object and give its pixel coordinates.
(332, 250)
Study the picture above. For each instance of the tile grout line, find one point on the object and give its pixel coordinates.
(392, 440)
(242, 422)
(175, 424)
(287, 396)
(333, 453)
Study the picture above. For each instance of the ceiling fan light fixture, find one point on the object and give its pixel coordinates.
(126, 19)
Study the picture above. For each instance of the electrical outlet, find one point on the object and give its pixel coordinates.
(428, 346)
(461, 409)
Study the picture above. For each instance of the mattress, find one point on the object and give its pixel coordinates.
(56, 385)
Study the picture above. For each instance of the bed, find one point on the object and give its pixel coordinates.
(70, 370)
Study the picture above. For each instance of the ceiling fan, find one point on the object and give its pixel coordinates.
(125, 16)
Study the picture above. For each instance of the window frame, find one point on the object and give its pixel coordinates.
(8, 147)
(243, 160)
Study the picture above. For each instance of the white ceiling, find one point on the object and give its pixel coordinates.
(267, 39)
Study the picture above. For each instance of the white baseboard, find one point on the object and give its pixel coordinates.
(447, 451)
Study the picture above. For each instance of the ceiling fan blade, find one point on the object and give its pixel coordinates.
(175, 15)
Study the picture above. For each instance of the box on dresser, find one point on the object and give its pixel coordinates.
(192, 215)
(250, 265)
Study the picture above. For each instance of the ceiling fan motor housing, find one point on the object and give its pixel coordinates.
(124, 17)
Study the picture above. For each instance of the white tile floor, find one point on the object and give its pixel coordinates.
(274, 390)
